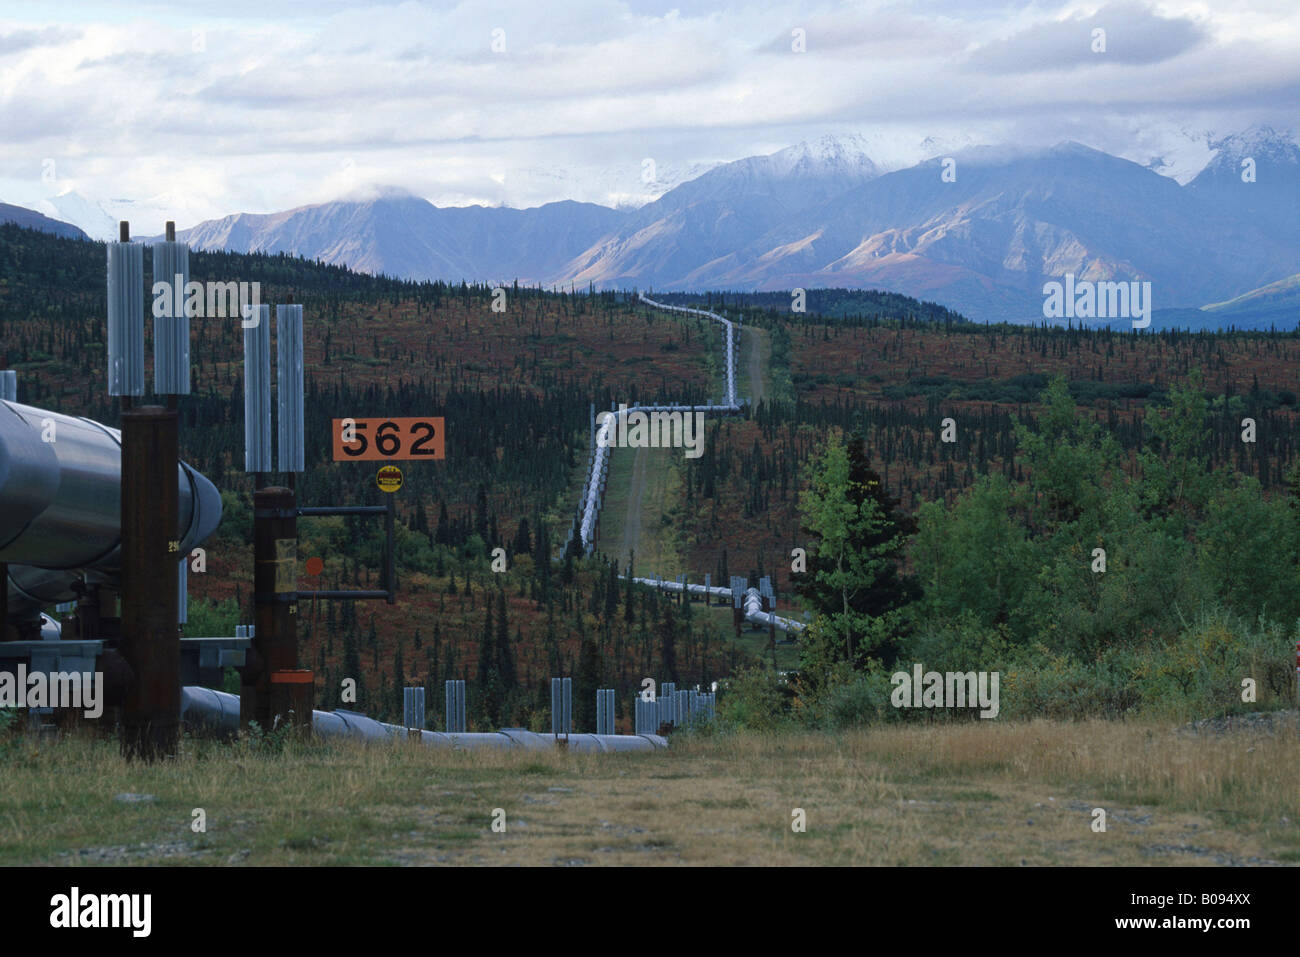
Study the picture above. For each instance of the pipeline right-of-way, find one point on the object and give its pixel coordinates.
(591, 501)
(600, 457)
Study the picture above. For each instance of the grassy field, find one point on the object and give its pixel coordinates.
(641, 500)
(981, 793)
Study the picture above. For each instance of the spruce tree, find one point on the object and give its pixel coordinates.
(857, 532)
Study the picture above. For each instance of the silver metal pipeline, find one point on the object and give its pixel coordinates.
(218, 712)
(591, 499)
(731, 354)
(753, 602)
(60, 487)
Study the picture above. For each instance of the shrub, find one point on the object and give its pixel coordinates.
(849, 699)
(754, 699)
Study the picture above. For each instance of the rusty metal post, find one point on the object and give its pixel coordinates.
(150, 640)
(276, 688)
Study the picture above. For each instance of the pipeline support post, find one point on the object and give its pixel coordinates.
(279, 691)
(390, 566)
(150, 638)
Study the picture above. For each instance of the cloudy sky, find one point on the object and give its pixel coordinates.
(238, 105)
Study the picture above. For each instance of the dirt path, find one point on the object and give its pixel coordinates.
(631, 540)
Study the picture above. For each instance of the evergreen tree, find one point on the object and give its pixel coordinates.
(351, 658)
(668, 643)
(523, 543)
(488, 679)
(443, 534)
(585, 683)
(505, 652)
(857, 532)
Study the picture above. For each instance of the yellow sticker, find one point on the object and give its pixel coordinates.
(389, 478)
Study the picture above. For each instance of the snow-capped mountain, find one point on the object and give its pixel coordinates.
(979, 229)
(1255, 175)
(717, 213)
(983, 243)
(99, 217)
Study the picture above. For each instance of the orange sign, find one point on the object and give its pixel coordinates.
(388, 439)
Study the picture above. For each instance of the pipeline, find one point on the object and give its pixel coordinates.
(753, 602)
(217, 712)
(60, 482)
(591, 500)
(731, 354)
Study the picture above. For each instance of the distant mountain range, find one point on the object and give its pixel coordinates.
(979, 231)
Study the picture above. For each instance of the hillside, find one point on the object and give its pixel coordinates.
(515, 389)
(30, 219)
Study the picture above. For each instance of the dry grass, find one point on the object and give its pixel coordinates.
(985, 793)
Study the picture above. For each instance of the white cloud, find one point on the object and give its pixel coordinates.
(306, 101)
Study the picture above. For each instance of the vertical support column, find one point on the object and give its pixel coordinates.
(280, 689)
(567, 721)
(183, 591)
(390, 556)
(257, 392)
(557, 709)
(171, 329)
(455, 706)
(413, 712)
(290, 445)
(150, 636)
(737, 602)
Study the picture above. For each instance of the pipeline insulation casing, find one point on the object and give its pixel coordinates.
(60, 483)
(218, 711)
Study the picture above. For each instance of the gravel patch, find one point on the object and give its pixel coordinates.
(1272, 722)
